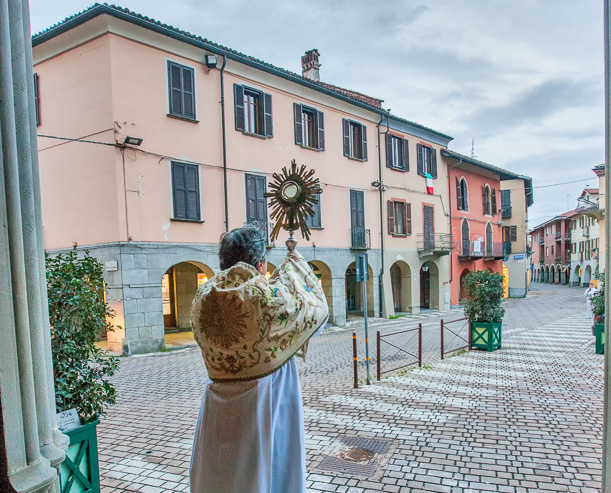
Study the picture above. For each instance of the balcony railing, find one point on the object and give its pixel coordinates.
(542, 260)
(558, 258)
(361, 238)
(586, 231)
(558, 236)
(473, 250)
(434, 243)
(541, 241)
(567, 236)
(494, 250)
(506, 211)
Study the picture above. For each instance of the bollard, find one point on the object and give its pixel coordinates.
(356, 376)
(442, 344)
(378, 354)
(420, 345)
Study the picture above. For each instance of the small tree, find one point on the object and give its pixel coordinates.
(78, 313)
(484, 293)
(598, 300)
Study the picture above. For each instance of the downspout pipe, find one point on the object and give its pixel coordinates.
(224, 138)
(381, 193)
(450, 213)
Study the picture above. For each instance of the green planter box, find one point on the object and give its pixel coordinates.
(599, 334)
(486, 335)
(80, 472)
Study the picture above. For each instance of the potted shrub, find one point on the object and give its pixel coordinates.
(483, 308)
(78, 314)
(598, 310)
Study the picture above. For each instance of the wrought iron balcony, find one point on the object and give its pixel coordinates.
(361, 238)
(471, 250)
(434, 244)
(542, 260)
(541, 241)
(506, 211)
(558, 236)
(494, 250)
(567, 236)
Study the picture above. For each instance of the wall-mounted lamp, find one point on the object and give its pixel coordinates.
(211, 61)
(132, 141)
(375, 183)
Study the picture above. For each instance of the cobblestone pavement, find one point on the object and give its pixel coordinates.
(526, 418)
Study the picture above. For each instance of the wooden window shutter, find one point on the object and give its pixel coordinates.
(268, 127)
(192, 190)
(513, 233)
(405, 155)
(37, 98)
(433, 162)
(459, 201)
(188, 92)
(238, 97)
(391, 217)
(320, 118)
(179, 190)
(465, 194)
(403, 205)
(364, 141)
(408, 218)
(494, 202)
(346, 125)
(298, 124)
(420, 159)
(175, 85)
(484, 200)
(388, 151)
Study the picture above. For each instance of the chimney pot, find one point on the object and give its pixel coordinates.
(310, 65)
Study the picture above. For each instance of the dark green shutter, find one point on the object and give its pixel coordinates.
(268, 128)
(405, 156)
(433, 162)
(388, 151)
(420, 160)
(298, 124)
(188, 93)
(321, 131)
(346, 128)
(484, 200)
(459, 201)
(391, 215)
(192, 191)
(364, 142)
(179, 190)
(238, 98)
(175, 84)
(36, 98)
(494, 201)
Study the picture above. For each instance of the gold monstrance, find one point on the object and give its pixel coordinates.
(293, 196)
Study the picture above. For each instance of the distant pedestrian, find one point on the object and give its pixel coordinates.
(250, 434)
(589, 294)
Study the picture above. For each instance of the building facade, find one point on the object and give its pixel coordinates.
(585, 239)
(160, 141)
(553, 241)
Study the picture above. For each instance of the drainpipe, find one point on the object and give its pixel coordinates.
(224, 143)
(450, 209)
(381, 191)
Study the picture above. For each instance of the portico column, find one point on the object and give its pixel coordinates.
(33, 443)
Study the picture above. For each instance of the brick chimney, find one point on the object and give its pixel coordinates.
(310, 66)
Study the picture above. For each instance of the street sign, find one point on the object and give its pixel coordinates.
(362, 269)
(518, 257)
(362, 275)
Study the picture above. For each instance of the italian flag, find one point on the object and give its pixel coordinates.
(429, 183)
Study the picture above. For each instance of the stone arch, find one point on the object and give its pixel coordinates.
(552, 274)
(401, 285)
(587, 275)
(558, 279)
(323, 273)
(178, 287)
(462, 293)
(429, 285)
(354, 292)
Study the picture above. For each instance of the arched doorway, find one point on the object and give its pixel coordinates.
(401, 282)
(558, 274)
(546, 274)
(462, 291)
(587, 275)
(178, 287)
(577, 276)
(552, 275)
(429, 286)
(596, 270)
(354, 293)
(567, 275)
(323, 274)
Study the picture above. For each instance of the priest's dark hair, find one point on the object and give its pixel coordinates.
(245, 244)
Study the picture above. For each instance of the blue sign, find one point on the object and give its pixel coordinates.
(518, 257)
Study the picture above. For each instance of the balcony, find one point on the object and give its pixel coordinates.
(542, 260)
(505, 211)
(361, 238)
(558, 257)
(494, 251)
(434, 244)
(541, 241)
(586, 231)
(558, 236)
(567, 236)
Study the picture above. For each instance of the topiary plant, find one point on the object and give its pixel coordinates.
(484, 294)
(598, 300)
(78, 313)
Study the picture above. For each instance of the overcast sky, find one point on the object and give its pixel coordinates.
(524, 78)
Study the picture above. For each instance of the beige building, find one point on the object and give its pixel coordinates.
(155, 141)
(585, 238)
(516, 198)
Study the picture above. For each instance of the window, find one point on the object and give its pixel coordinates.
(314, 221)
(253, 111)
(546, 250)
(486, 199)
(505, 203)
(182, 95)
(399, 218)
(465, 238)
(462, 195)
(489, 247)
(397, 153)
(37, 99)
(427, 160)
(552, 247)
(355, 140)
(309, 127)
(256, 204)
(185, 191)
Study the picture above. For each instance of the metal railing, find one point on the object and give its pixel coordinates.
(567, 236)
(586, 232)
(541, 241)
(494, 250)
(402, 353)
(456, 332)
(435, 242)
(505, 211)
(558, 236)
(361, 238)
